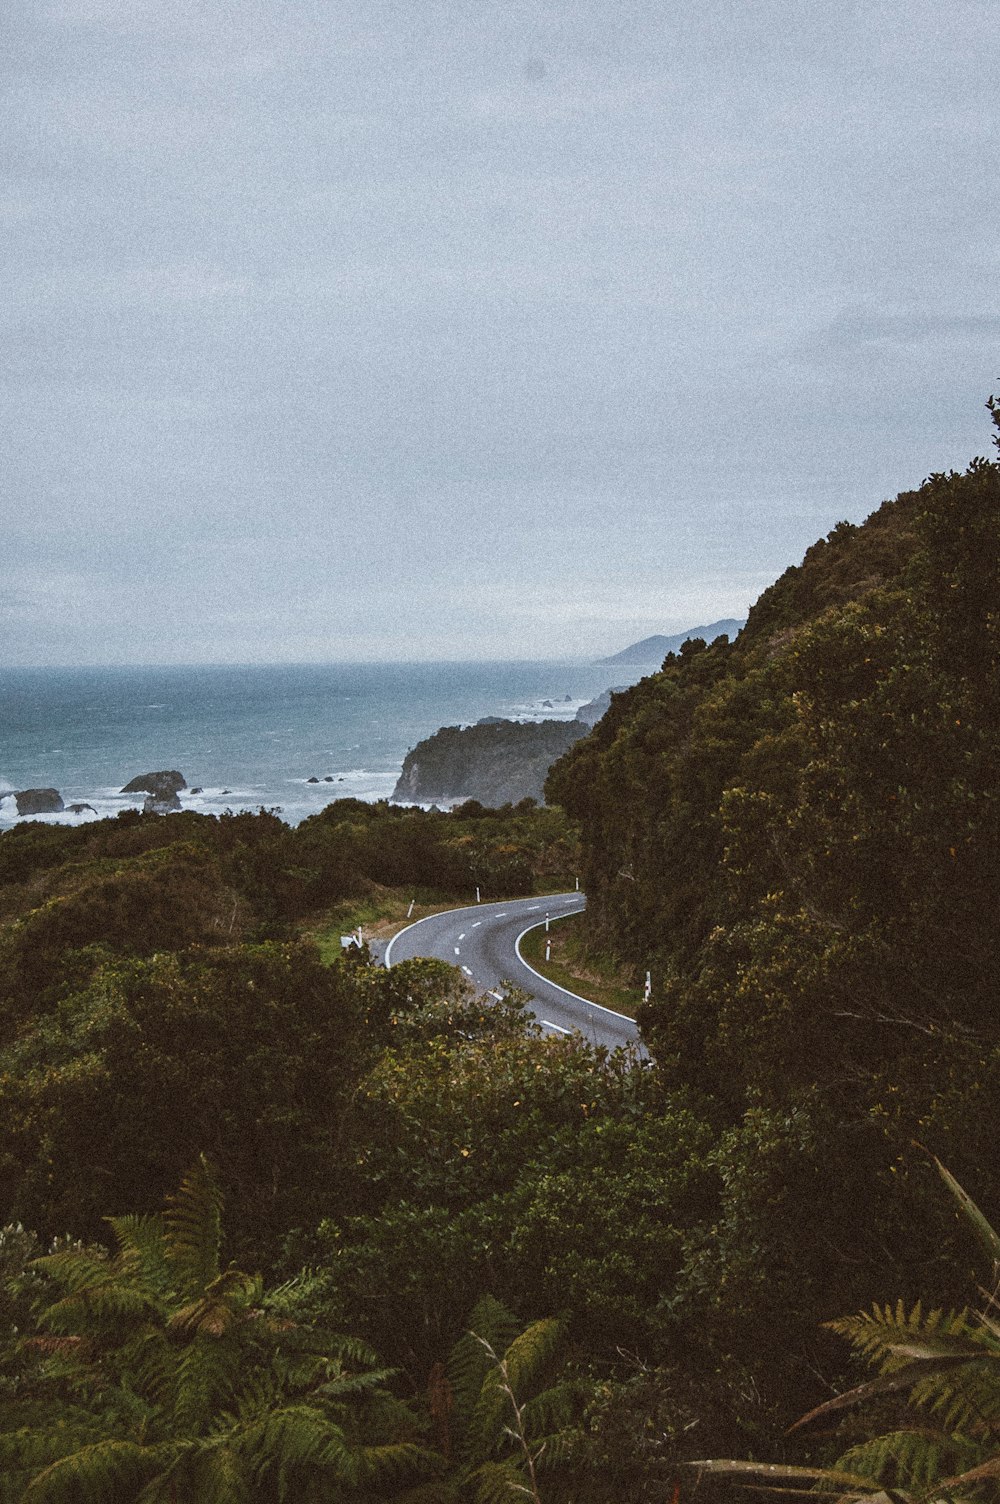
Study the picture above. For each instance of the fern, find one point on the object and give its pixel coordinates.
(947, 1364)
(93, 1474)
(193, 1231)
(202, 1393)
(491, 1324)
(519, 1421)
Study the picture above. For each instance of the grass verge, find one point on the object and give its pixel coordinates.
(597, 978)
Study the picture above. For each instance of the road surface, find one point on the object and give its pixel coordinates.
(483, 941)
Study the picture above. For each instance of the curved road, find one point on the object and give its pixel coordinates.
(483, 941)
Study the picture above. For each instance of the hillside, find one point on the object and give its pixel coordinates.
(798, 835)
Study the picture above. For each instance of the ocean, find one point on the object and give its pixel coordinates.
(251, 736)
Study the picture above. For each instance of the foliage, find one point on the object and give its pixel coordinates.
(172, 1377)
(798, 834)
(248, 1053)
(507, 1409)
(938, 1385)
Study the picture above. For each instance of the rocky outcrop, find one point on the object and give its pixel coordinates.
(497, 763)
(39, 802)
(160, 804)
(78, 809)
(160, 785)
(592, 712)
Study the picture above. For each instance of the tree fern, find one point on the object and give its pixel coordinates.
(192, 1230)
(515, 1409)
(947, 1364)
(195, 1390)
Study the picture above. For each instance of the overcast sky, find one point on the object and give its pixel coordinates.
(487, 329)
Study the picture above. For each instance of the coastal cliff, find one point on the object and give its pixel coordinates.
(497, 763)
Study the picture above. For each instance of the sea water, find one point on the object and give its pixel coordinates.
(252, 736)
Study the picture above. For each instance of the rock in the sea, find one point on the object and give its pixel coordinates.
(591, 713)
(160, 785)
(155, 804)
(78, 809)
(39, 802)
(312, 780)
(196, 790)
(496, 764)
(328, 778)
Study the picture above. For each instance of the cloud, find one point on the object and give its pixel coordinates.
(319, 313)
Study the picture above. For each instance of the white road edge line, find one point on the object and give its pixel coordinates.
(599, 1006)
(474, 908)
(547, 1023)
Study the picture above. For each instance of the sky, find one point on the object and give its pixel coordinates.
(352, 329)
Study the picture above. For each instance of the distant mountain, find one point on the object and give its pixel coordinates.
(655, 649)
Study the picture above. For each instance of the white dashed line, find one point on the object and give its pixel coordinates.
(477, 924)
(547, 1024)
(468, 973)
(457, 951)
(462, 936)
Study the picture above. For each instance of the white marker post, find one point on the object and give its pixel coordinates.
(648, 993)
(409, 911)
(548, 950)
(578, 885)
(546, 924)
(477, 895)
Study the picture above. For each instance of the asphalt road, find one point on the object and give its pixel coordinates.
(483, 941)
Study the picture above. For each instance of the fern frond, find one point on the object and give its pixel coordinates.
(93, 1474)
(113, 1305)
(469, 1363)
(192, 1226)
(888, 1338)
(530, 1356)
(348, 1385)
(500, 1483)
(551, 1411)
(208, 1377)
(140, 1247)
(554, 1451)
(73, 1268)
(910, 1458)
